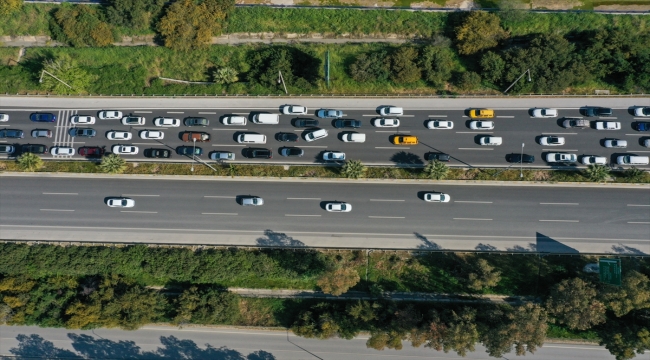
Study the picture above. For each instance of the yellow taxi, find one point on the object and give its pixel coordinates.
(405, 140)
(481, 113)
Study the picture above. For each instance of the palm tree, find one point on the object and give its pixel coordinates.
(113, 164)
(436, 170)
(29, 162)
(354, 169)
(597, 173)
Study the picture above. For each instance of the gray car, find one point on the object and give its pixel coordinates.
(329, 114)
(75, 132)
(252, 201)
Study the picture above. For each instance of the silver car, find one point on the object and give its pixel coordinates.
(615, 143)
(120, 202)
(338, 207)
(334, 156)
(316, 134)
(252, 201)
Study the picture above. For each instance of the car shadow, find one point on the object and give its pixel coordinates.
(323, 204)
(477, 138)
(421, 194)
(630, 109)
(643, 139)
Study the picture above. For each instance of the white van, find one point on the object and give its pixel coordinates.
(251, 139)
(491, 140)
(632, 160)
(354, 137)
(264, 118)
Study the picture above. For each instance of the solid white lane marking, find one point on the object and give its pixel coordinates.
(55, 210)
(636, 205)
(50, 193)
(227, 145)
(385, 200)
(386, 217)
(472, 219)
(506, 116)
(140, 195)
(638, 222)
(303, 198)
(391, 147)
(175, 112)
(141, 212)
(437, 116)
(474, 202)
(220, 197)
(482, 149)
(558, 203)
(635, 134)
(233, 214)
(560, 220)
(300, 215)
(207, 113)
(142, 112)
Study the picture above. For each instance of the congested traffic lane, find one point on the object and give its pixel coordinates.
(515, 126)
(383, 215)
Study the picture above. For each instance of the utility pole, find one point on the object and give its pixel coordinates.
(52, 75)
(281, 80)
(521, 162)
(193, 154)
(327, 69)
(522, 75)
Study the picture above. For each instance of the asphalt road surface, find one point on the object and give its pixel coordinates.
(30, 342)
(385, 215)
(513, 123)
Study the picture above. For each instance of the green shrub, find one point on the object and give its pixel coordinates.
(300, 68)
(374, 66)
(403, 65)
(353, 169)
(133, 14)
(65, 76)
(436, 170)
(81, 25)
(597, 173)
(9, 6)
(479, 31)
(225, 75)
(437, 63)
(468, 81)
(29, 162)
(113, 164)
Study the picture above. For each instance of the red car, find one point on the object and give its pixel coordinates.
(91, 151)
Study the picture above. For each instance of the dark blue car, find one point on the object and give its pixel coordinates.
(11, 134)
(642, 126)
(42, 117)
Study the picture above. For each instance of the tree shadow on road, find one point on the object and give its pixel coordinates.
(426, 243)
(273, 238)
(88, 347)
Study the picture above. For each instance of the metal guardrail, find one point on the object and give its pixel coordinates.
(307, 248)
(439, 96)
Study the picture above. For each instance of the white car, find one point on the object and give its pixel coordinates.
(551, 141)
(593, 159)
(4, 117)
(608, 125)
(440, 124)
(133, 120)
(615, 143)
(354, 137)
(125, 149)
(642, 111)
(234, 120)
(121, 202)
(81, 119)
(384, 122)
(294, 110)
(166, 122)
(110, 115)
(391, 111)
(316, 135)
(119, 135)
(436, 197)
(561, 157)
(544, 113)
(338, 207)
(152, 135)
(646, 143)
(334, 156)
(481, 125)
(491, 140)
(62, 150)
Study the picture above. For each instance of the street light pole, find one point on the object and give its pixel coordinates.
(521, 162)
(193, 155)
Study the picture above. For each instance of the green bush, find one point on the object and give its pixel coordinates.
(81, 25)
(436, 170)
(597, 173)
(374, 66)
(353, 169)
(479, 31)
(113, 164)
(9, 6)
(225, 75)
(138, 15)
(403, 65)
(468, 81)
(29, 162)
(300, 68)
(437, 63)
(65, 76)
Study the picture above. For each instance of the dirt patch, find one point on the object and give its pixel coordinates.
(555, 4)
(623, 7)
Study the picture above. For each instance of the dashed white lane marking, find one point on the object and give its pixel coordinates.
(572, 221)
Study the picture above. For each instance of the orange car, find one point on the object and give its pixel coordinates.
(198, 135)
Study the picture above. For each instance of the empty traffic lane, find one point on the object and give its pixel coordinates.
(565, 219)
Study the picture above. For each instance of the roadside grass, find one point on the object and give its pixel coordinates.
(561, 332)
(31, 19)
(8, 56)
(149, 168)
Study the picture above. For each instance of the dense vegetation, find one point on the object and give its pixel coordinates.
(459, 53)
(127, 287)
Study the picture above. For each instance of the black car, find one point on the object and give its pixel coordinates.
(187, 150)
(347, 123)
(33, 148)
(196, 121)
(517, 158)
(300, 122)
(159, 153)
(291, 151)
(259, 153)
(597, 111)
(438, 156)
(286, 137)
(76, 132)
(11, 134)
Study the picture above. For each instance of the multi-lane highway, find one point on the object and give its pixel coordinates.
(153, 342)
(513, 123)
(521, 218)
